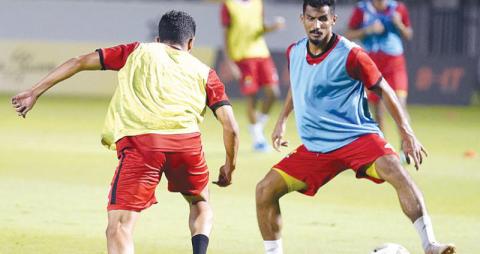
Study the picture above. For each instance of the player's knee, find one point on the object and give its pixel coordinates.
(204, 208)
(117, 230)
(112, 231)
(260, 190)
(273, 92)
(264, 193)
(196, 199)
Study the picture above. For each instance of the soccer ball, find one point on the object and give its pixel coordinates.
(390, 248)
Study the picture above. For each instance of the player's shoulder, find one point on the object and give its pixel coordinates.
(197, 65)
(146, 45)
(400, 6)
(152, 49)
(201, 65)
(347, 44)
(361, 5)
(297, 44)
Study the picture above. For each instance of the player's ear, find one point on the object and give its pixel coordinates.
(190, 44)
(157, 39)
(334, 19)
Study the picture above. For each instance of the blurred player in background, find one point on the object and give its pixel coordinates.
(381, 25)
(152, 123)
(329, 76)
(245, 45)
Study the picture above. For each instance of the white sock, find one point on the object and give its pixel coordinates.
(256, 130)
(273, 247)
(262, 118)
(424, 227)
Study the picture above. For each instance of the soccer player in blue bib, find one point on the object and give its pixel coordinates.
(329, 76)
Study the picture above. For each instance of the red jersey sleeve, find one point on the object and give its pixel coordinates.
(114, 58)
(403, 11)
(356, 19)
(225, 15)
(216, 96)
(361, 67)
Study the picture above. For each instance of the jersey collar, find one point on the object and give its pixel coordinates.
(316, 59)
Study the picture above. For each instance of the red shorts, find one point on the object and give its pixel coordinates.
(394, 70)
(139, 171)
(257, 72)
(316, 169)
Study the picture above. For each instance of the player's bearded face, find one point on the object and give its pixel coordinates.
(318, 23)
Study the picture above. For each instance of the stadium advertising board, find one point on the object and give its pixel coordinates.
(435, 81)
(439, 80)
(442, 80)
(22, 63)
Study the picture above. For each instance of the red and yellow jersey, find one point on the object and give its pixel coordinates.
(243, 20)
(161, 90)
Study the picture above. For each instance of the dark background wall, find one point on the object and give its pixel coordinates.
(443, 57)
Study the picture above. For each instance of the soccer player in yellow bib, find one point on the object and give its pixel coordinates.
(152, 122)
(245, 45)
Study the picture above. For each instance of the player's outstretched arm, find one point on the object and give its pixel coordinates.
(410, 144)
(24, 101)
(278, 24)
(281, 125)
(230, 139)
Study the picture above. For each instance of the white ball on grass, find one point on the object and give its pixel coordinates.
(390, 248)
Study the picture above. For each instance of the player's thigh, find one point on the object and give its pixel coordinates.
(187, 172)
(249, 81)
(373, 99)
(306, 171)
(272, 186)
(267, 72)
(134, 183)
(389, 168)
(362, 154)
(204, 195)
(398, 80)
(124, 218)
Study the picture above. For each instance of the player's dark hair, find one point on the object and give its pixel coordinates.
(176, 27)
(318, 4)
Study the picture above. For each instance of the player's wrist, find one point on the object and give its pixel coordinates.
(399, 25)
(368, 31)
(36, 92)
(406, 131)
(230, 163)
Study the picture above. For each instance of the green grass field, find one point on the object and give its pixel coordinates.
(55, 175)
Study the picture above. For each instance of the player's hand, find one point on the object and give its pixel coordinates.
(277, 135)
(234, 69)
(24, 102)
(397, 19)
(224, 176)
(376, 28)
(413, 149)
(279, 23)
